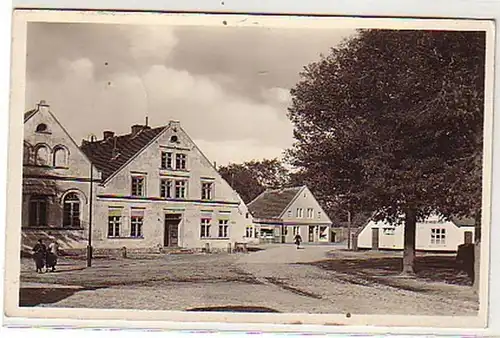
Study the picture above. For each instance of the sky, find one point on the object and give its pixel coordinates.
(228, 86)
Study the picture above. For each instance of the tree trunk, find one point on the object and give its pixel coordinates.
(409, 243)
(477, 254)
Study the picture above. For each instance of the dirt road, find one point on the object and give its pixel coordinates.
(279, 278)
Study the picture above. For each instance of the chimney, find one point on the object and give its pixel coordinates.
(43, 105)
(107, 134)
(137, 128)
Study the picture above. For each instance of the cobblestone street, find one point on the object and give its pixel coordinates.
(279, 278)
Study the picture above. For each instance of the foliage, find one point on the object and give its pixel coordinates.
(251, 178)
(392, 121)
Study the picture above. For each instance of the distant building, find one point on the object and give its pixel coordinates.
(153, 188)
(279, 215)
(433, 234)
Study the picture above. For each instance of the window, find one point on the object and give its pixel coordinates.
(205, 227)
(42, 156)
(166, 188)
(71, 210)
(166, 160)
(138, 186)
(60, 157)
(136, 222)
(223, 227)
(41, 128)
(289, 213)
(296, 230)
(310, 213)
(180, 161)
(299, 213)
(388, 231)
(206, 190)
(114, 222)
(319, 214)
(249, 231)
(180, 189)
(38, 211)
(438, 236)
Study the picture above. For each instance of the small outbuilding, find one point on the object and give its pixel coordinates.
(433, 234)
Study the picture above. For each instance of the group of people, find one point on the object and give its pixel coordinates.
(45, 257)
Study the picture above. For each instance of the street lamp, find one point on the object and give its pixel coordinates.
(92, 138)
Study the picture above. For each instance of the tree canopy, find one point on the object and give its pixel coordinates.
(251, 178)
(393, 121)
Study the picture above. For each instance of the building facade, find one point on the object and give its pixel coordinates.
(152, 188)
(281, 214)
(56, 182)
(433, 234)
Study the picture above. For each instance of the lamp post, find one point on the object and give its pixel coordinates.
(92, 138)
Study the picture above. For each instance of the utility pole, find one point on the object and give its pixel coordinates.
(349, 229)
(89, 245)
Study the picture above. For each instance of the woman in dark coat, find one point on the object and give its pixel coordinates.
(39, 254)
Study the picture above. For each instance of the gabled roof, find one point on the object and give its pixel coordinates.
(271, 203)
(110, 155)
(29, 114)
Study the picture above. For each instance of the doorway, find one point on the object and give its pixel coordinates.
(375, 238)
(171, 234)
(468, 237)
(311, 233)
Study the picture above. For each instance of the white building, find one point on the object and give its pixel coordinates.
(433, 234)
(153, 188)
(280, 214)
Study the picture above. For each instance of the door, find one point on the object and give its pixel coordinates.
(333, 236)
(171, 234)
(311, 233)
(468, 237)
(375, 237)
(284, 232)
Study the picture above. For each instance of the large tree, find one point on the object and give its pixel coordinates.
(392, 120)
(251, 178)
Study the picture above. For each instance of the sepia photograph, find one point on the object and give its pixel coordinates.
(204, 164)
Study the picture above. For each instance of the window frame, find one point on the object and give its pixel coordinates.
(143, 185)
(38, 201)
(223, 229)
(180, 158)
(167, 160)
(114, 224)
(205, 191)
(74, 201)
(166, 188)
(182, 188)
(205, 225)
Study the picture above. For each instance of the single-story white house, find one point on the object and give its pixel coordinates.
(433, 234)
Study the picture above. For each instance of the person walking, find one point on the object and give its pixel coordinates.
(298, 240)
(52, 253)
(39, 255)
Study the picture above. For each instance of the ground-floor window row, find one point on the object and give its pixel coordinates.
(222, 230)
(116, 223)
(68, 212)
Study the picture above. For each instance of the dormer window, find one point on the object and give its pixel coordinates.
(174, 139)
(41, 128)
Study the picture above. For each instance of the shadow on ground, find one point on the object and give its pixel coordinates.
(232, 308)
(37, 296)
(430, 268)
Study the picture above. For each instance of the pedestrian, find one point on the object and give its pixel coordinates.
(39, 255)
(52, 254)
(298, 240)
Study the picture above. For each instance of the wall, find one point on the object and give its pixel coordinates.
(116, 193)
(454, 235)
(72, 176)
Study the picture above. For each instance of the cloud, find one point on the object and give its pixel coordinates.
(153, 43)
(240, 151)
